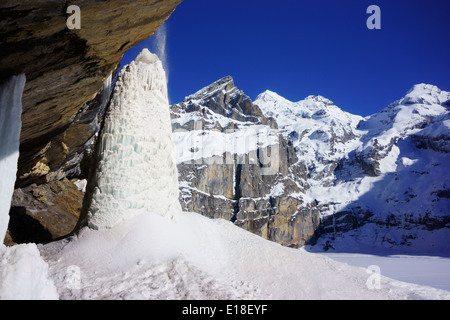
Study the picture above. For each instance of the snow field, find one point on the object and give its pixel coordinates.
(152, 257)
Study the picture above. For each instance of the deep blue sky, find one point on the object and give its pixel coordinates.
(302, 47)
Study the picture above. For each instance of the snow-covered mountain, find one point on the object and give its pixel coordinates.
(233, 163)
(321, 132)
(337, 171)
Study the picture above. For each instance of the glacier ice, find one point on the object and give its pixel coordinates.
(136, 170)
(10, 126)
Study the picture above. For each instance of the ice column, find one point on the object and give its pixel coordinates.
(136, 170)
(10, 125)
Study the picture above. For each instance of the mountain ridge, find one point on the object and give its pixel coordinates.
(333, 164)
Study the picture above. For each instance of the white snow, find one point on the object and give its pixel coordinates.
(203, 144)
(10, 126)
(426, 94)
(423, 270)
(81, 184)
(24, 275)
(136, 148)
(314, 120)
(193, 257)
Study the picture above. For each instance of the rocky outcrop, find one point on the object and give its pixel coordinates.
(43, 213)
(436, 136)
(65, 69)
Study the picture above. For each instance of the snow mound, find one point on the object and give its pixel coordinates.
(193, 257)
(24, 275)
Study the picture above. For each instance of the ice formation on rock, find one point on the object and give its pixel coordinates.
(136, 169)
(10, 125)
(23, 273)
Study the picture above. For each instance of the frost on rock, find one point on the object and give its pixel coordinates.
(136, 169)
(10, 125)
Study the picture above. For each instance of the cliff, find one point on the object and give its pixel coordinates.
(233, 164)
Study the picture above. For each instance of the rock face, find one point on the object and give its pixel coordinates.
(234, 165)
(42, 213)
(65, 69)
(336, 173)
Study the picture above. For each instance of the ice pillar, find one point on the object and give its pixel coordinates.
(136, 170)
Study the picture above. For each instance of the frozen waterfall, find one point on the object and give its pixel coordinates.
(136, 170)
(10, 126)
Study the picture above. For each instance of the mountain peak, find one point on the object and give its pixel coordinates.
(271, 96)
(424, 88)
(320, 99)
(225, 79)
(226, 83)
(425, 94)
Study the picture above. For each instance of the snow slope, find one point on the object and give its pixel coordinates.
(423, 270)
(193, 257)
(203, 144)
(311, 124)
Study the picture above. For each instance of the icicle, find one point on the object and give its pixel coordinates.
(10, 126)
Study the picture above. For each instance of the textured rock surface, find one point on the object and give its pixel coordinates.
(237, 186)
(42, 213)
(65, 69)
